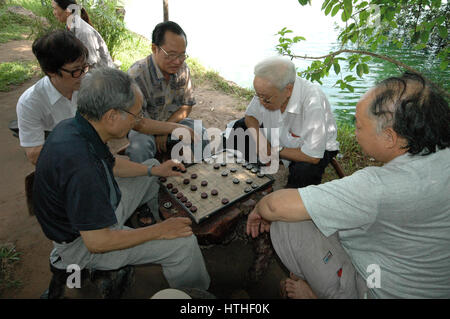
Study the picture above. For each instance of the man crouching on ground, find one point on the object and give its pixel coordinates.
(83, 195)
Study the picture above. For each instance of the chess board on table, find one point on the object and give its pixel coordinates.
(213, 185)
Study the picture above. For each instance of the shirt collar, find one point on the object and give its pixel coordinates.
(91, 135)
(52, 93)
(293, 104)
(155, 67)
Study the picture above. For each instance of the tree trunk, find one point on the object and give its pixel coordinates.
(166, 10)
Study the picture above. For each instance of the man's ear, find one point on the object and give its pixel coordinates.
(154, 48)
(110, 116)
(391, 137)
(290, 88)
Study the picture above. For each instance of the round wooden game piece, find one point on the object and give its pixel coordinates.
(248, 189)
(216, 166)
(225, 201)
(204, 195)
(194, 176)
(224, 173)
(188, 204)
(183, 199)
(204, 183)
(223, 164)
(236, 181)
(254, 186)
(233, 170)
(186, 181)
(260, 175)
(249, 181)
(169, 186)
(214, 192)
(249, 166)
(193, 209)
(193, 188)
(179, 195)
(174, 190)
(167, 205)
(254, 170)
(244, 164)
(183, 171)
(162, 179)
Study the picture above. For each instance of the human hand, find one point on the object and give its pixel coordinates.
(161, 143)
(256, 224)
(166, 169)
(176, 227)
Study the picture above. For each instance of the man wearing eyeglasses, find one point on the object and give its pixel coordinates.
(53, 98)
(300, 112)
(164, 79)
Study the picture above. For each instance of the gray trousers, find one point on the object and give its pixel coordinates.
(143, 146)
(181, 258)
(308, 254)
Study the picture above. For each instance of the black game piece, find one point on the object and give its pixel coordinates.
(224, 173)
(216, 166)
(233, 170)
(169, 186)
(223, 164)
(193, 188)
(248, 189)
(254, 186)
(260, 175)
(179, 195)
(204, 183)
(188, 204)
(183, 199)
(254, 170)
(235, 181)
(174, 190)
(214, 192)
(162, 179)
(204, 195)
(193, 209)
(225, 201)
(194, 176)
(186, 181)
(249, 181)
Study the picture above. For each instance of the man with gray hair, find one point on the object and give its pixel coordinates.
(83, 195)
(383, 232)
(306, 139)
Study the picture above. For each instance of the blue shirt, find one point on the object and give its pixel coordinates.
(74, 187)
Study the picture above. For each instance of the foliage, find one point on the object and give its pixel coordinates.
(15, 73)
(8, 257)
(13, 26)
(368, 26)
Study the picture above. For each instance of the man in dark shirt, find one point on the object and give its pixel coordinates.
(83, 195)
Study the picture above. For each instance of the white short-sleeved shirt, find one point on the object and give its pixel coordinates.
(98, 50)
(396, 217)
(307, 123)
(39, 109)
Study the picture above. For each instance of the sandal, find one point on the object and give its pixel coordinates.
(145, 213)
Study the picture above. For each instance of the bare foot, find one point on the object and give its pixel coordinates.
(296, 288)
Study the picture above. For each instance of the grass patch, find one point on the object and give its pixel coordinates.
(16, 73)
(13, 26)
(134, 48)
(8, 257)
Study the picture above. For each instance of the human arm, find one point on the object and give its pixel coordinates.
(126, 168)
(107, 239)
(33, 153)
(283, 205)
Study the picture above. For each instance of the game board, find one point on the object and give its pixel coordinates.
(228, 180)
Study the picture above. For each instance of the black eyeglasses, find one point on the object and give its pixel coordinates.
(173, 57)
(77, 72)
(138, 117)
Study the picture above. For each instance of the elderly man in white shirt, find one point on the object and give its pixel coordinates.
(62, 58)
(300, 111)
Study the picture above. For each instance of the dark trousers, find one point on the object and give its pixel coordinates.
(301, 174)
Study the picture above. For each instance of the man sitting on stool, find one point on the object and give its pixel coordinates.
(301, 112)
(82, 206)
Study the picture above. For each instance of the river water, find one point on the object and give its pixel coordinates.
(231, 36)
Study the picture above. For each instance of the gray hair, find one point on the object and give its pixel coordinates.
(277, 70)
(104, 89)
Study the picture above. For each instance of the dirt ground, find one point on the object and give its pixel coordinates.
(227, 264)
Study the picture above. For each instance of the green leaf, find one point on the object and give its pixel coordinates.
(359, 70)
(424, 36)
(443, 32)
(337, 67)
(335, 9)
(325, 3)
(329, 7)
(444, 64)
(365, 68)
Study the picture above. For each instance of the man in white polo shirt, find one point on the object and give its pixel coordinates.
(300, 110)
(53, 98)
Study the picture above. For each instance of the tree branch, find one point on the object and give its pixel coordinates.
(375, 55)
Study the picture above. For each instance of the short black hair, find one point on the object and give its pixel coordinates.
(415, 111)
(57, 48)
(160, 31)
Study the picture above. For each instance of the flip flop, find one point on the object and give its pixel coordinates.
(145, 212)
